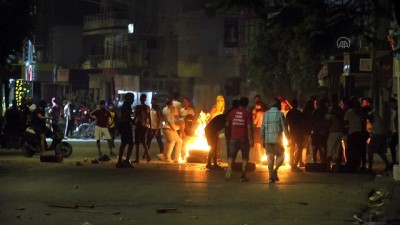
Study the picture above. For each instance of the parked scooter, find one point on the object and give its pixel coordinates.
(32, 143)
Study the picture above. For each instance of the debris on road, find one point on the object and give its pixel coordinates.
(70, 205)
(302, 203)
(98, 211)
(373, 213)
(167, 210)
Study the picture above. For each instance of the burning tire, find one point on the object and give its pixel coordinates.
(197, 156)
(196, 159)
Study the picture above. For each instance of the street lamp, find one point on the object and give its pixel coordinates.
(131, 28)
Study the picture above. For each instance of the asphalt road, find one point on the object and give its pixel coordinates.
(159, 193)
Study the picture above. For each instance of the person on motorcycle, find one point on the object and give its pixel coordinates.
(38, 123)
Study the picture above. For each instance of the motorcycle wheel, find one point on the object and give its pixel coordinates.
(27, 151)
(64, 149)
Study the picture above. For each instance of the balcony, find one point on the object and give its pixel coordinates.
(105, 23)
(118, 61)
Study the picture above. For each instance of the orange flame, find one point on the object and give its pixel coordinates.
(199, 141)
(285, 143)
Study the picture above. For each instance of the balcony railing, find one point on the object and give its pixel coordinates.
(104, 16)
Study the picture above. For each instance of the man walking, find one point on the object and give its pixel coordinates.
(240, 133)
(271, 133)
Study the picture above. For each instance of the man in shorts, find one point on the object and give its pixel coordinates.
(102, 117)
(240, 131)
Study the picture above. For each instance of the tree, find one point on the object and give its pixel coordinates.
(298, 36)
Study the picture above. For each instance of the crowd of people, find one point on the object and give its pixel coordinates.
(339, 134)
(44, 117)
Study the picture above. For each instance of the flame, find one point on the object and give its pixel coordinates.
(285, 143)
(199, 140)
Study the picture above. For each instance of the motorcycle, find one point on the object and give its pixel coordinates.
(32, 143)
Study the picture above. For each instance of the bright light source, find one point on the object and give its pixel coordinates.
(131, 28)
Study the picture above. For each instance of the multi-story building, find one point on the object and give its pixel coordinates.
(173, 47)
(167, 47)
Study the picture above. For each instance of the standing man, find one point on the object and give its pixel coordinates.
(335, 117)
(142, 121)
(353, 119)
(169, 129)
(112, 128)
(212, 131)
(377, 142)
(295, 121)
(366, 108)
(125, 129)
(156, 122)
(272, 128)
(188, 125)
(13, 125)
(54, 113)
(240, 133)
(69, 120)
(102, 117)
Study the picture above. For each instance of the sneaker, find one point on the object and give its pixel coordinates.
(169, 160)
(209, 166)
(244, 179)
(120, 165)
(127, 164)
(296, 169)
(135, 161)
(276, 178)
(104, 158)
(161, 156)
(228, 174)
(216, 167)
(271, 181)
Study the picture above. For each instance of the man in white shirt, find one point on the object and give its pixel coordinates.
(170, 130)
